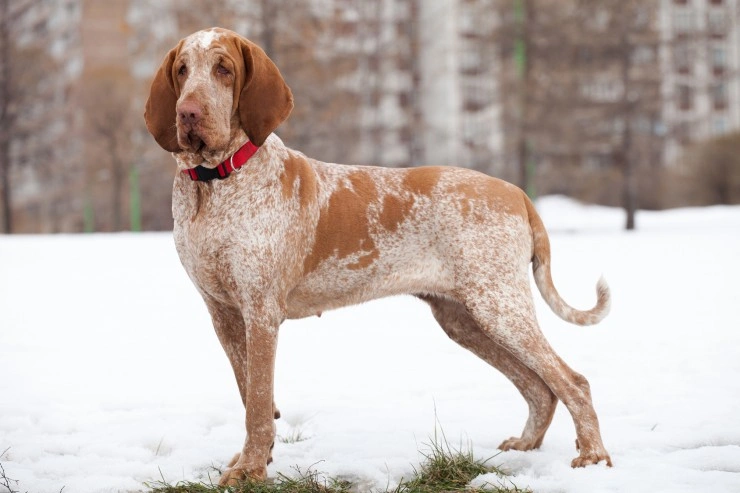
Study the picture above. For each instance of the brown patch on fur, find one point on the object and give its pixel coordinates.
(395, 211)
(343, 228)
(296, 168)
(422, 180)
(479, 197)
(397, 208)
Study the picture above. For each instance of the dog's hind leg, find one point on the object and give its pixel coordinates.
(505, 312)
(461, 328)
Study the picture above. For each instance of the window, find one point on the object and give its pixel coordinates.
(718, 55)
(477, 93)
(717, 23)
(682, 131)
(682, 58)
(470, 59)
(685, 97)
(719, 96)
(598, 161)
(602, 88)
(643, 55)
(683, 22)
(719, 125)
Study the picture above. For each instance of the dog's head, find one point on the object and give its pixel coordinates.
(210, 87)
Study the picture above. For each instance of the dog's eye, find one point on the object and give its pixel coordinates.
(183, 70)
(221, 70)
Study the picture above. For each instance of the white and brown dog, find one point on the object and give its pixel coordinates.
(266, 233)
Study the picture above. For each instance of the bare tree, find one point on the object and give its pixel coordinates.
(524, 20)
(5, 117)
(713, 166)
(539, 91)
(27, 90)
(587, 88)
(111, 124)
(9, 89)
(625, 45)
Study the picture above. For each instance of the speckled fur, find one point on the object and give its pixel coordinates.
(290, 237)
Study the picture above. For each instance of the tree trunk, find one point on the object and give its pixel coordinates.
(629, 178)
(629, 192)
(7, 218)
(5, 119)
(521, 52)
(416, 147)
(117, 181)
(268, 12)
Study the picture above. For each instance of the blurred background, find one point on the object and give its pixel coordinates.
(629, 103)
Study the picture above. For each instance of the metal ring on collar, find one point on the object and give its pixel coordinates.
(231, 162)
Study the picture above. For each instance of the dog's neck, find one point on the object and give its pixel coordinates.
(262, 173)
(210, 158)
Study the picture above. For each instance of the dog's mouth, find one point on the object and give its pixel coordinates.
(191, 141)
(196, 142)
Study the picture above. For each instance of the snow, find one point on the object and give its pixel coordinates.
(110, 374)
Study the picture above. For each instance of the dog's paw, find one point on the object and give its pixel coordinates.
(516, 443)
(588, 458)
(236, 474)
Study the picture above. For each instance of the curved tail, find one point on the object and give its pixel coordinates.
(543, 278)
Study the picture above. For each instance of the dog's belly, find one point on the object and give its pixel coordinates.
(337, 284)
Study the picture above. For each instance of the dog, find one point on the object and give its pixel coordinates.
(267, 234)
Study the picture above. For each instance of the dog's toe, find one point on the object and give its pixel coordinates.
(516, 443)
(236, 474)
(586, 459)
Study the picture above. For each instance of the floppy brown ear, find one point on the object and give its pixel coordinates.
(265, 100)
(160, 107)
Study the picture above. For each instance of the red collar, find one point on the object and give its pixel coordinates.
(235, 162)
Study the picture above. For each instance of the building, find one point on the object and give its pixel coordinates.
(701, 67)
(459, 81)
(386, 82)
(44, 189)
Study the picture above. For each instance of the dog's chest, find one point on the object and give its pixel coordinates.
(227, 239)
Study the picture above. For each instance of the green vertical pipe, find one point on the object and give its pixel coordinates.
(88, 215)
(135, 199)
(520, 60)
(520, 47)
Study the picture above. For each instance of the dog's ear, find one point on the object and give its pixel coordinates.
(160, 113)
(265, 100)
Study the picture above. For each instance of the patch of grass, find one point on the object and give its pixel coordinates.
(444, 469)
(295, 436)
(305, 482)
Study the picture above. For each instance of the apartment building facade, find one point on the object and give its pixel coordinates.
(701, 71)
(421, 82)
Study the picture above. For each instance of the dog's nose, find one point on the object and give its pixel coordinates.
(190, 112)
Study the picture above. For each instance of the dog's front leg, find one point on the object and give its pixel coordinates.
(261, 342)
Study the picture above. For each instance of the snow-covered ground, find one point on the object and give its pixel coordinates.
(110, 374)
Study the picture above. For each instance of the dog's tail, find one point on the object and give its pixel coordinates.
(543, 278)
